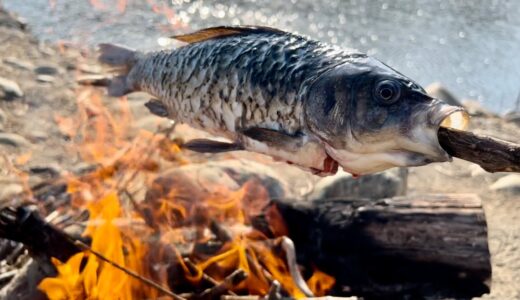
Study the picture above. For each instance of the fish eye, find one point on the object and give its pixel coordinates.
(388, 91)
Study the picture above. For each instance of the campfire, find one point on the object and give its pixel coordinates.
(190, 241)
(148, 239)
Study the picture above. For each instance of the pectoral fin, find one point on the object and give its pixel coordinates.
(209, 146)
(274, 138)
(157, 108)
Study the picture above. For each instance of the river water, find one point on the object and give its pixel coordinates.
(471, 47)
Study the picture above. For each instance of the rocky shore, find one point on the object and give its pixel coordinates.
(38, 83)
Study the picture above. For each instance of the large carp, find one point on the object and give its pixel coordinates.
(287, 96)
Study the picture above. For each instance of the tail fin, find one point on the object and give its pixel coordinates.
(121, 60)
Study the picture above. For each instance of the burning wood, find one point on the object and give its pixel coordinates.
(392, 247)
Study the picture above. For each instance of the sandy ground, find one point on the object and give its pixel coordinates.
(45, 75)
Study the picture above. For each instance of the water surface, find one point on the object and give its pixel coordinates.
(472, 47)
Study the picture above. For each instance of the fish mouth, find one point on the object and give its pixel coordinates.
(447, 116)
(419, 146)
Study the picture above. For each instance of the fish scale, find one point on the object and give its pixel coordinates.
(268, 73)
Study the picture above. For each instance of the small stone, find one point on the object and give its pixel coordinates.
(46, 70)
(52, 170)
(38, 135)
(438, 91)
(386, 184)
(509, 183)
(9, 190)
(83, 168)
(10, 89)
(513, 117)
(13, 139)
(476, 170)
(45, 78)
(18, 64)
(475, 108)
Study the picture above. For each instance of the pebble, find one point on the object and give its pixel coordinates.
(13, 139)
(508, 183)
(45, 78)
(10, 89)
(18, 63)
(9, 190)
(38, 135)
(50, 169)
(475, 109)
(513, 117)
(46, 70)
(476, 170)
(385, 184)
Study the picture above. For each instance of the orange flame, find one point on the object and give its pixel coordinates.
(175, 212)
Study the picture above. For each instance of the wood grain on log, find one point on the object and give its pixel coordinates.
(492, 154)
(426, 246)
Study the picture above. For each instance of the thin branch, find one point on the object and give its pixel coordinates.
(205, 276)
(227, 284)
(290, 252)
(274, 291)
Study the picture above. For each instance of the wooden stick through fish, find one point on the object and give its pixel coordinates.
(493, 155)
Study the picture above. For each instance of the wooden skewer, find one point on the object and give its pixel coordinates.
(493, 155)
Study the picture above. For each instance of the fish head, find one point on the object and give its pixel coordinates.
(371, 118)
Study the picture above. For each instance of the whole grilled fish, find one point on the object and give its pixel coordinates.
(287, 96)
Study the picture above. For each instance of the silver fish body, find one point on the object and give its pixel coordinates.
(270, 92)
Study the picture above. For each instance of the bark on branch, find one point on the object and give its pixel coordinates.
(492, 154)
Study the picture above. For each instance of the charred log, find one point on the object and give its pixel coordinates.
(25, 225)
(421, 246)
(492, 154)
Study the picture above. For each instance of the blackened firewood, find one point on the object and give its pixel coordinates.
(420, 246)
(24, 225)
(492, 154)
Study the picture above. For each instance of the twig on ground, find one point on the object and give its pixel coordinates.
(274, 291)
(206, 277)
(227, 284)
(8, 274)
(290, 252)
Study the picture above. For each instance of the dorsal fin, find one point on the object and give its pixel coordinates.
(223, 31)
